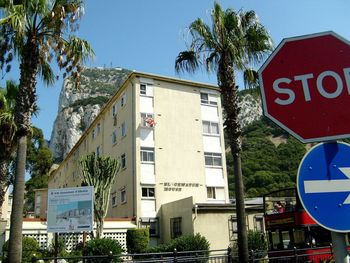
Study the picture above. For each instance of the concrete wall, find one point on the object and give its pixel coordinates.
(214, 226)
(181, 208)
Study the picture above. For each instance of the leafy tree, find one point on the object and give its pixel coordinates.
(39, 162)
(36, 32)
(8, 129)
(289, 156)
(99, 172)
(235, 41)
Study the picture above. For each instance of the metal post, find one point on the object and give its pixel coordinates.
(339, 247)
(229, 255)
(110, 256)
(295, 254)
(56, 248)
(175, 255)
(253, 256)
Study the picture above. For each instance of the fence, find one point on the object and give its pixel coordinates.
(212, 256)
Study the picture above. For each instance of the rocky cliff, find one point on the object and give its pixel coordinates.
(78, 107)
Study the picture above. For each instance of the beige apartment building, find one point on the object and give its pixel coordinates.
(168, 135)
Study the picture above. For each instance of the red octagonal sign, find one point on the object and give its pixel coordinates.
(305, 87)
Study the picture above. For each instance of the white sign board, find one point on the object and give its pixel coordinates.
(70, 209)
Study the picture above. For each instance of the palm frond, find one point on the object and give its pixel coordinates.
(79, 48)
(15, 18)
(201, 35)
(46, 73)
(250, 78)
(187, 61)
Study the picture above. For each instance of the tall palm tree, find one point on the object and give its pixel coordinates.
(8, 129)
(37, 31)
(234, 42)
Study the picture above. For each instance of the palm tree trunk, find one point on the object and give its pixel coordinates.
(15, 246)
(25, 104)
(4, 180)
(229, 92)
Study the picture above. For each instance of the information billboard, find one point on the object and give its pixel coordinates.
(70, 209)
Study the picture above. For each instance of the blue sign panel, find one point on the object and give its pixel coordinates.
(323, 184)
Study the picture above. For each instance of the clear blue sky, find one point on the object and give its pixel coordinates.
(147, 35)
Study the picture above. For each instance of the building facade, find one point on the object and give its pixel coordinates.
(168, 135)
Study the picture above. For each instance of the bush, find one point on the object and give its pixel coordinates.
(257, 242)
(102, 247)
(183, 243)
(137, 240)
(189, 243)
(29, 247)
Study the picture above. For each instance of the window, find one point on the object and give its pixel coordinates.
(210, 127)
(114, 199)
(123, 196)
(148, 192)
(123, 100)
(98, 151)
(115, 120)
(114, 137)
(213, 159)
(143, 89)
(114, 110)
(147, 120)
(75, 175)
(211, 193)
(208, 99)
(147, 154)
(123, 129)
(123, 161)
(152, 224)
(259, 223)
(38, 199)
(93, 135)
(175, 227)
(98, 128)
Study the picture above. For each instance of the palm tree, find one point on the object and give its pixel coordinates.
(7, 134)
(37, 31)
(99, 172)
(234, 42)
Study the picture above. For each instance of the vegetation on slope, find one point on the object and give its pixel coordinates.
(270, 159)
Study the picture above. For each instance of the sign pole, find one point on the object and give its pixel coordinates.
(339, 246)
(56, 248)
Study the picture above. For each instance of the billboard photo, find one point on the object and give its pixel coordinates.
(70, 209)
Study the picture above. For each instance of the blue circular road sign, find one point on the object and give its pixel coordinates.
(323, 184)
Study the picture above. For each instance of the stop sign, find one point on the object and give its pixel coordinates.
(305, 87)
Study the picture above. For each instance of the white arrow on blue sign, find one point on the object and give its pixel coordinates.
(323, 184)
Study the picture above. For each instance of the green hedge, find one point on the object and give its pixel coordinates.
(102, 246)
(137, 240)
(183, 243)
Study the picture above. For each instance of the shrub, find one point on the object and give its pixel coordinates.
(257, 242)
(182, 244)
(137, 240)
(61, 247)
(189, 243)
(29, 247)
(102, 247)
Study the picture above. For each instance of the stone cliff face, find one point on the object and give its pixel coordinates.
(79, 107)
(251, 109)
